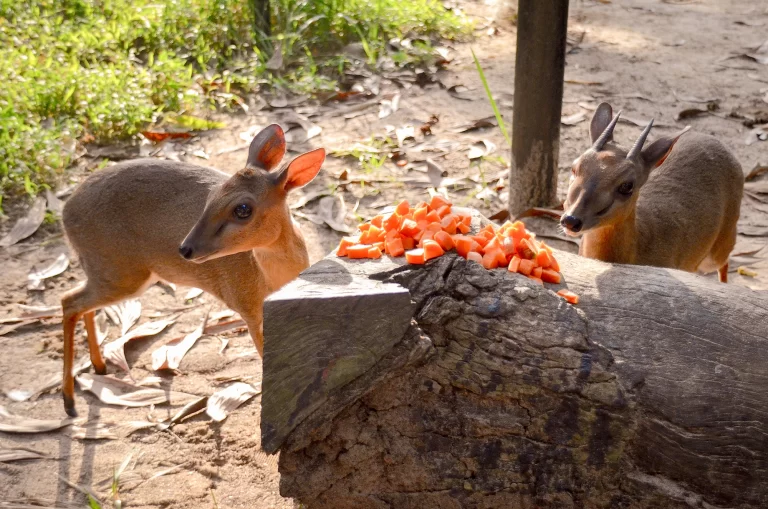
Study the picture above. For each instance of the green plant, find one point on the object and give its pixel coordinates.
(491, 100)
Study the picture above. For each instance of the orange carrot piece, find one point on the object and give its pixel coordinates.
(358, 251)
(537, 280)
(433, 217)
(345, 243)
(438, 202)
(569, 296)
(543, 260)
(449, 223)
(445, 240)
(408, 243)
(480, 239)
(501, 258)
(432, 249)
(374, 252)
(376, 221)
(465, 245)
(444, 211)
(402, 208)
(526, 249)
(395, 247)
(493, 244)
(550, 276)
(364, 227)
(489, 260)
(391, 234)
(508, 246)
(514, 264)
(415, 256)
(409, 227)
(392, 222)
(474, 256)
(380, 245)
(364, 237)
(467, 220)
(420, 214)
(463, 228)
(536, 272)
(526, 267)
(554, 265)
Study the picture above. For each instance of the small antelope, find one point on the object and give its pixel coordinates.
(672, 204)
(147, 220)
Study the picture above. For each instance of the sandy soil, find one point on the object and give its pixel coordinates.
(647, 57)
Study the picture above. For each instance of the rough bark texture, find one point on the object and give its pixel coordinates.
(651, 393)
(539, 69)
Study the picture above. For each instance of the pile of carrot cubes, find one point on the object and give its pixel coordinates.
(428, 230)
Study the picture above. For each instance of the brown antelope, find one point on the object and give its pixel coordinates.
(672, 204)
(147, 220)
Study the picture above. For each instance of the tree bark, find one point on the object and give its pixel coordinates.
(481, 389)
(539, 69)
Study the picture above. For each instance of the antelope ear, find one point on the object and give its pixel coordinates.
(600, 120)
(267, 148)
(302, 170)
(658, 151)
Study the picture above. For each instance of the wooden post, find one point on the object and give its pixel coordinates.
(540, 64)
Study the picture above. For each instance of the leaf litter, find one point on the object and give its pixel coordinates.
(12, 423)
(27, 225)
(169, 356)
(36, 278)
(113, 391)
(115, 351)
(124, 314)
(8, 454)
(223, 402)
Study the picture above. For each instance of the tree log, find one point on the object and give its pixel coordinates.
(451, 386)
(542, 27)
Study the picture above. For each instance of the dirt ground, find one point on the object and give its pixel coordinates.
(651, 58)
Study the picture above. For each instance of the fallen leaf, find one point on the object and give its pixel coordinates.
(389, 106)
(8, 454)
(225, 326)
(169, 356)
(201, 154)
(435, 172)
(756, 171)
(460, 92)
(53, 382)
(749, 23)
(641, 123)
(291, 118)
(275, 62)
(33, 313)
(115, 351)
(7, 329)
(279, 100)
(694, 99)
(27, 225)
(36, 277)
(11, 423)
(759, 54)
(97, 431)
(583, 82)
(573, 119)
(193, 294)
(405, 133)
(758, 133)
(218, 315)
(500, 216)
(112, 391)
(335, 221)
(477, 124)
(480, 149)
(53, 203)
(746, 272)
(124, 314)
(166, 471)
(157, 137)
(224, 343)
(222, 402)
(308, 197)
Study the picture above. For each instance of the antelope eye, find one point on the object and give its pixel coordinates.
(626, 188)
(242, 211)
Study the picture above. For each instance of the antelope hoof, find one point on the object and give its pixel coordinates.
(69, 406)
(100, 370)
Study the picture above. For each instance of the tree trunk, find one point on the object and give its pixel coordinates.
(539, 68)
(451, 386)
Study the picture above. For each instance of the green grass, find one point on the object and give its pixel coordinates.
(105, 69)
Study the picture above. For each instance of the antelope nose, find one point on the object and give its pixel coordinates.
(185, 251)
(572, 223)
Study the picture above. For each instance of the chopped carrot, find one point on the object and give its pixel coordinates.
(537, 280)
(493, 244)
(345, 243)
(392, 222)
(489, 260)
(474, 256)
(480, 239)
(432, 250)
(438, 202)
(526, 249)
(550, 276)
(364, 227)
(526, 266)
(415, 256)
(408, 243)
(395, 247)
(358, 251)
(421, 204)
(553, 264)
(374, 252)
(536, 272)
(465, 245)
(392, 234)
(379, 245)
(501, 258)
(426, 235)
(514, 264)
(364, 237)
(376, 221)
(467, 220)
(409, 227)
(420, 214)
(508, 246)
(402, 208)
(569, 296)
(543, 259)
(445, 240)
(449, 223)
(463, 228)
(444, 211)
(433, 217)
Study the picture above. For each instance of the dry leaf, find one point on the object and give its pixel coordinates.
(573, 119)
(435, 172)
(7, 329)
(169, 356)
(335, 221)
(8, 454)
(115, 351)
(389, 106)
(27, 225)
(477, 124)
(53, 203)
(583, 82)
(279, 100)
(30, 314)
(275, 62)
(689, 113)
(308, 197)
(190, 409)
(291, 118)
(759, 54)
(124, 314)
(480, 149)
(10, 423)
(759, 133)
(110, 431)
(226, 326)
(405, 133)
(756, 171)
(53, 382)
(36, 277)
(227, 400)
(201, 154)
(460, 92)
(112, 391)
(193, 294)
(157, 137)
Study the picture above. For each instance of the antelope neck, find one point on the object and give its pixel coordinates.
(282, 261)
(615, 243)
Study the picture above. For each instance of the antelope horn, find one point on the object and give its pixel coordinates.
(634, 152)
(607, 134)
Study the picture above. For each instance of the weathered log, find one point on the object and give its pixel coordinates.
(490, 391)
